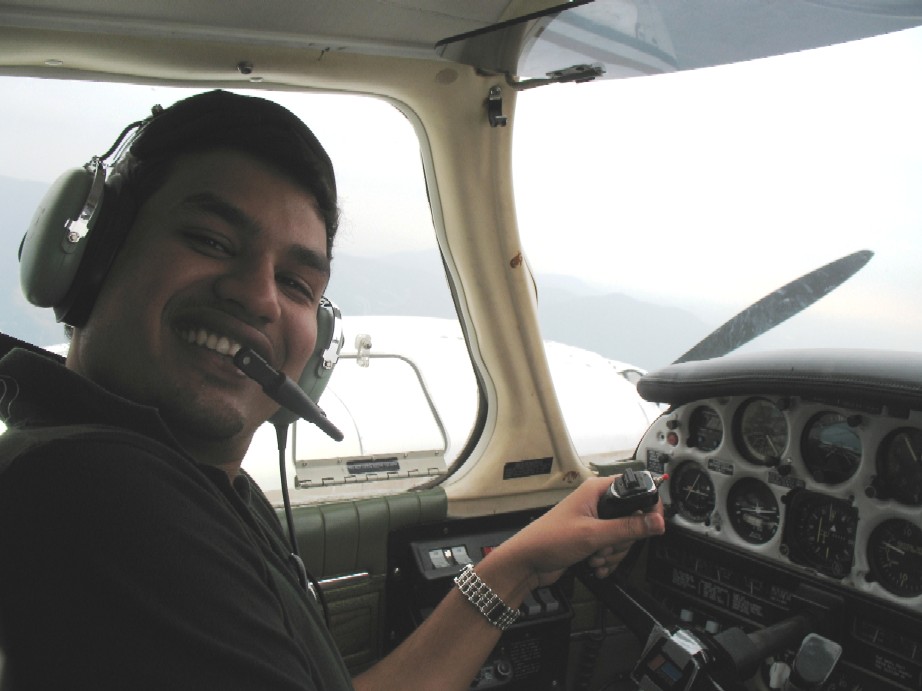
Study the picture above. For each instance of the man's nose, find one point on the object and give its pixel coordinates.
(250, 284)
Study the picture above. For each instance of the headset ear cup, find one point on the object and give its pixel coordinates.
(48, 261)
(114, 222)
(319, 368)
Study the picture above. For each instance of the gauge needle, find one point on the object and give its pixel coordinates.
(758, 510)
(890, 545)
(771, 444)
(692, 490)
(912, 452)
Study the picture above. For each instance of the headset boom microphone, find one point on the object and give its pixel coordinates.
(284, 391)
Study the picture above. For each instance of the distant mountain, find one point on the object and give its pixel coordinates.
(404, 284)
(619, 327)
(570, 310)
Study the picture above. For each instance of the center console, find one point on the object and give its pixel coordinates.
(532, 653)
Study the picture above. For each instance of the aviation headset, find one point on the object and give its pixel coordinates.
(83, 219)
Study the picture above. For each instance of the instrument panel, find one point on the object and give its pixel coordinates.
(795, 486)
(808, 485)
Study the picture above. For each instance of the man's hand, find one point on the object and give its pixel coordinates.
(448, 648)
(572, 532)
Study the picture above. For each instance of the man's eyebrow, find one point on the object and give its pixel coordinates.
(310, 258)
(223, 209)
(235, 216)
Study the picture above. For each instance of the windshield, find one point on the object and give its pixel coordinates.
(652, 210)
(668, 204)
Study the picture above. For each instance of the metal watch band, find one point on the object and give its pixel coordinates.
(484, 600)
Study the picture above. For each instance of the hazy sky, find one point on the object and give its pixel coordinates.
(817, 152)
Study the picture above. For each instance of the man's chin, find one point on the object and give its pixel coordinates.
(216, 425)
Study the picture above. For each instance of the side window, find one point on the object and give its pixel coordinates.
(403, 391)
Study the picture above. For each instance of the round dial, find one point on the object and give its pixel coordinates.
(895, 557)
(761, 431)
(753, 510)
(831, 448)
(692, 492)
(822, 533)
(899, 466)
(705, 430)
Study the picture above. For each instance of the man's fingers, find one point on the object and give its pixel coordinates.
(630, 529)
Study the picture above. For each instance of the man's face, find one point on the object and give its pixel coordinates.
(227, 252)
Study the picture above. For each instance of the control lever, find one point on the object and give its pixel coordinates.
(678, 659)
(632, 491)
(738, 654)
(813, 664)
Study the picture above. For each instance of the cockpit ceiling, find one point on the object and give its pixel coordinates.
(388, 27)
(168, 39)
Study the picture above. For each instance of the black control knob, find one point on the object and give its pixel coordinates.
(813, 663)
(635, 490)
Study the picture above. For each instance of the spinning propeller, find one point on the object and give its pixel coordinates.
(777, 307)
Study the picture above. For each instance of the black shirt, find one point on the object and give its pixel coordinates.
(124, 564)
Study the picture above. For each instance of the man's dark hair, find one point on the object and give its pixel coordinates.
(250, 124)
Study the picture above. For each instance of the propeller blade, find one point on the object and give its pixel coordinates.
(776, 307)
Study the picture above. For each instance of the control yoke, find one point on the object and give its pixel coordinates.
(675, 658)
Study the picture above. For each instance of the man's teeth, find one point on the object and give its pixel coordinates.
(220, 344)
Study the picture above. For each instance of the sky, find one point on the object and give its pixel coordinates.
(707, 189)
(751, 159)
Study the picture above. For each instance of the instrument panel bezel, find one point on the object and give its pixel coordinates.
(727, 464)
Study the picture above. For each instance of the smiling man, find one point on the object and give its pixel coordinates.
(134, 552)
(144, 557)
(226, 253)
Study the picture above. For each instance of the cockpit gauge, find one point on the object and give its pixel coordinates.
(753, 510)
(895, 557)
(831, 448)
(820, 532)
(761, 431)
(705, 429)
(692, 492)
(899, 467)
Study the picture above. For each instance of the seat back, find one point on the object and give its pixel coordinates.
(8, 343)
(5, 683)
